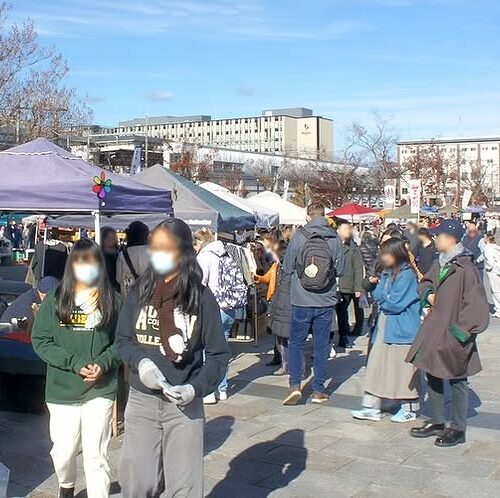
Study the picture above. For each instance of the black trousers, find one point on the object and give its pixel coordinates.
(343, 315)
(459, 401)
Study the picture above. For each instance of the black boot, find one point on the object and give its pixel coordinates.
(276, 361)
(427, 430)
(450, 437)
(66, 492)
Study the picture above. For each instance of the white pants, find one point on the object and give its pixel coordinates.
(86, 426)
(496, 302)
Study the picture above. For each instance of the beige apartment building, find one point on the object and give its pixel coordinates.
(465, 155)
(294, 132)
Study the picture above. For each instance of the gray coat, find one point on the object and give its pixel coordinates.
(299, 295)
(352, 280)
(460, 305)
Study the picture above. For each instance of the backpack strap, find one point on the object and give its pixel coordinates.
(126, 255)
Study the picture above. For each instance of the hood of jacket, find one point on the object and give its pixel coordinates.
(216, 247)
(321, 227)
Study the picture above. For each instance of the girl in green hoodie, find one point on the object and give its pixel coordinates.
(74, 334)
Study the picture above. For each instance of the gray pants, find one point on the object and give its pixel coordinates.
(459, 401)
(162, 448)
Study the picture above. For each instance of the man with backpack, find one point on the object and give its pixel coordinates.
(314, 259)
(224, 277)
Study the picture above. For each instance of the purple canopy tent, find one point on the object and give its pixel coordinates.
(41, 177)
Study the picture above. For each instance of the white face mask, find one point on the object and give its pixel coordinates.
(86, 273)
(163, 262)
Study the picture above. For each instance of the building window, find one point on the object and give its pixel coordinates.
(404, 190)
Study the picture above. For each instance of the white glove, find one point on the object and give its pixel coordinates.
(183, 394)
(151, 375)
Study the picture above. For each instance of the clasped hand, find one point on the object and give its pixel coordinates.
(91, 373)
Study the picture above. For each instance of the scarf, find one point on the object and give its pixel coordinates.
(88, 302)
(173, 344)
(446, 257)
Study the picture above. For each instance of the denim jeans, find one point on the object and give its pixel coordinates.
(228, 318)
(319, 321)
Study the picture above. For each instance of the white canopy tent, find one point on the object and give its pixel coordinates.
(289, 213)
(264, 216)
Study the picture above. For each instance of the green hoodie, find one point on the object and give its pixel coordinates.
(66, 348)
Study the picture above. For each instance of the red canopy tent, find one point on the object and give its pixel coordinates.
(352, 209)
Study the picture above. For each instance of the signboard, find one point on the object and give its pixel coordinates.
(466, 197)
(415, 189)
(390, 194)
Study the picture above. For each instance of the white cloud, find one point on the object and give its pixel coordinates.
(198, 18)
(159, 95)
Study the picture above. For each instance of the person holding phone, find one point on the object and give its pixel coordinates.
(73, 333)
(169, 319)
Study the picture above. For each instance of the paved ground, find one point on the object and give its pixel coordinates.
(258, 448)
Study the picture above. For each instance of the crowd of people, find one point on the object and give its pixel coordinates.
(165, 304)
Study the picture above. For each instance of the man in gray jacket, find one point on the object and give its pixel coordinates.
(314, 259)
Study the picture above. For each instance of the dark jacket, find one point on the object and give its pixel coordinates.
(138, 337)
(472, 245)
(299, 295)
(352, 279)
(445, 345)
(369, 253)
(280, 309)
(425, 256)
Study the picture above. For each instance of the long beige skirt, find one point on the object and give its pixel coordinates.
(387, 374)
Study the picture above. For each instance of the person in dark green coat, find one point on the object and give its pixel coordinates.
(74, 334)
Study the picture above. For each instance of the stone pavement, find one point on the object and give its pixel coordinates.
(256, 447)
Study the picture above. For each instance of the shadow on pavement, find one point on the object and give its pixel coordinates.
(284, 458)
(216, 432)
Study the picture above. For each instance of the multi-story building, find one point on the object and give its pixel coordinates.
(294, 132)
(474, 161)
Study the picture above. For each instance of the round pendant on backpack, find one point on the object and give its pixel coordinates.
(311, 270)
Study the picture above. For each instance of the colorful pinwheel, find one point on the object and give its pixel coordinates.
(102, 186)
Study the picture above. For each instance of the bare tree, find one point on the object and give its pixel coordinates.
(433, 167)
(476, 180)
(33, 98)
(264, 170)
(374, 146)
(190, 165)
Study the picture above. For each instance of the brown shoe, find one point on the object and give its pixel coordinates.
(293, 397)
(319, 398)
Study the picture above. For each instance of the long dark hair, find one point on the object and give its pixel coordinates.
(189, 285)
(65, 293)
(396, 247)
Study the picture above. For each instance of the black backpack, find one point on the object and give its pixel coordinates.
(315, 264)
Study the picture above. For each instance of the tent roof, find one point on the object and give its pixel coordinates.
(352, 209)
(264, 216)
(290, 214)
(187, 196)
(399, 213)
(41, 177)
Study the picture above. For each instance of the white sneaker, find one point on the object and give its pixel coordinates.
(333, 352)
(403, 416)
(222, 396)
(367, 414)
(210, 399)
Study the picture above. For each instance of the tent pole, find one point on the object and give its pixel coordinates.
(44, 245)
(97, 226)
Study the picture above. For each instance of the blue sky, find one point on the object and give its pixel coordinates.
(430, 65)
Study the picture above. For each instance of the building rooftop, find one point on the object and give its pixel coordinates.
(448, 140)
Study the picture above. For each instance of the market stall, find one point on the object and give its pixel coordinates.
(265, 217)
(40, 177)
(194, 204)
(289, 213)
